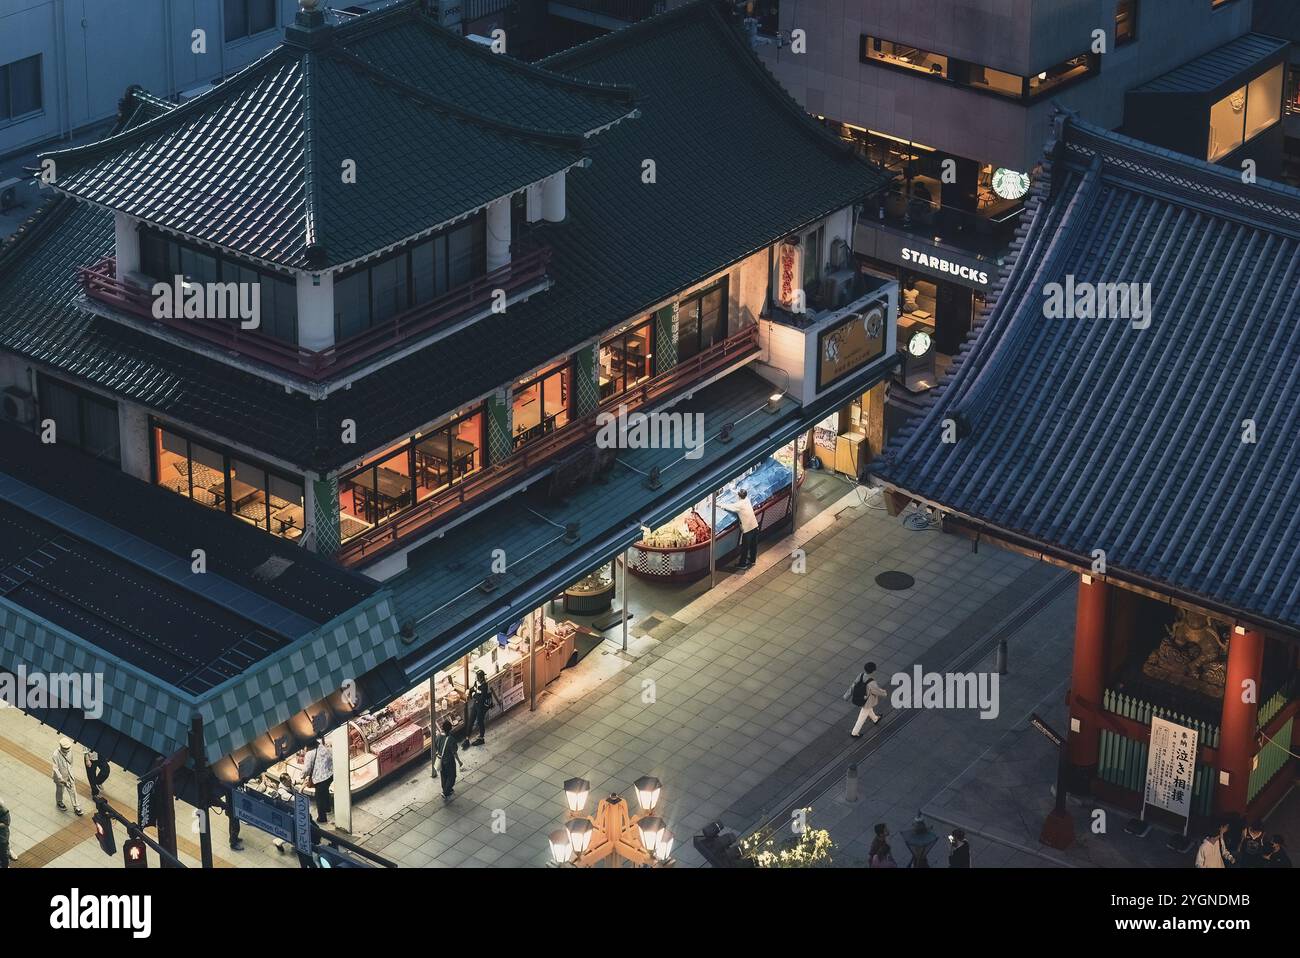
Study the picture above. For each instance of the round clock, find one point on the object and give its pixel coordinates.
(873, 323)
(919, 344)
(1009, 184)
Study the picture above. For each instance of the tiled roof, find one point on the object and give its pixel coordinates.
(257, 164)
(625, 247)
(1221, 65)
(1089, 434)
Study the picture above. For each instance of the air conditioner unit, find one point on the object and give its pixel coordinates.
(837, 288)
(18, 406)
(9, 194)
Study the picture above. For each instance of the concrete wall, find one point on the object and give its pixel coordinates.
(92, 50)
(1019, 36)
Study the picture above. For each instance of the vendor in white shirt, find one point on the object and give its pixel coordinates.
(744, 511)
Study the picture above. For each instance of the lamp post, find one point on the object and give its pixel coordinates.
(612, 833)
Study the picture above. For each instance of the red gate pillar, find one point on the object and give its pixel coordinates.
(1238, 726)
(1087, 678)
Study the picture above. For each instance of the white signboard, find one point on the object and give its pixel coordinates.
(1171, 767)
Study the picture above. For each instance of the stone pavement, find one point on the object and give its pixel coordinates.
(723, 702)
(41, 835)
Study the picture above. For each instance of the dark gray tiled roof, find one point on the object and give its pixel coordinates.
(625, 247)
(1091, 434)
(1221, 65)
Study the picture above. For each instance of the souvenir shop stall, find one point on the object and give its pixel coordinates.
(386, 740)
(678, 551)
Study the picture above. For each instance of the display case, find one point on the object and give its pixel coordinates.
(679, 550)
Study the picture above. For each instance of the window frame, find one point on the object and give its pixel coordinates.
(476, 224)
(408, 446)
(249, 32)
(564, 367)
(7, 112)
(82, 397)
(633, 330)
(1134, 22)
(228, 456)
(698, 298)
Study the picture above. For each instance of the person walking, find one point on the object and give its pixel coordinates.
(1213, 853)
(449, 760)
(61, 770)
(959, 856)
(744, 511)
(4, 834)
(866, 694)
(881, 855)
(232, 822)
(318, 772)
(481, 701)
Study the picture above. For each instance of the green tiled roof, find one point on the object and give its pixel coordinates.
(739, 165)
(257, 164)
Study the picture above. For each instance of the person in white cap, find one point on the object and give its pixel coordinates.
(62, 772)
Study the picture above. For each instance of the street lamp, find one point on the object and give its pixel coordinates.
(612, 832)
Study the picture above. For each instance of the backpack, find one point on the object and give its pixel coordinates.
(859, 694)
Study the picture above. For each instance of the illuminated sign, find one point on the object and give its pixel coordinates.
(941, 265)
(850, 344)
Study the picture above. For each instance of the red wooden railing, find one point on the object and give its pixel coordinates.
(423, 515)
(525, 269)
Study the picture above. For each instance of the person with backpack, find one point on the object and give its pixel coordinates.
(448, 760)
(480, 701)
(865, 693)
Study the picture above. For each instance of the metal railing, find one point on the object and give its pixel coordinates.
(1141, 711)
(100, 283)
(423, 515)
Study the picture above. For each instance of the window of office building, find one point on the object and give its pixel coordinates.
(420, 273)
(1245, 113)
(701, 321)
(410, 472)
(625, 360)
(20, 87)
(540, 405)
(81, 419)
(903, 55)
(246, 18)
(220, 479)
(1126, 15)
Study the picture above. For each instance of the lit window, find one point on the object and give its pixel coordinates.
(1126, 13)
(902, 55)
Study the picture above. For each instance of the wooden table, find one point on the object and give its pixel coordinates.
(381, 487)
(433, 468)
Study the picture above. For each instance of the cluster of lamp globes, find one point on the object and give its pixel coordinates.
(644, 839)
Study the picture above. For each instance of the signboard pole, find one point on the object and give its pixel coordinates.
(201, 783)
(713, 538)
(337, 742)
(623, 576)
(1171, 769)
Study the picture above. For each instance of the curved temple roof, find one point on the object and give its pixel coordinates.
(1167, 440)
(258, 164)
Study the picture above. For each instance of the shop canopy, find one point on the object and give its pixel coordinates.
(626, 246)
(1166, 440)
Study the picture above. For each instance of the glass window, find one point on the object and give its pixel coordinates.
(995, 81)
(248, 500)
(702, 321)
(351, 305)
(20, 87)
(625, 360)
(244, 18)
(388, 287)
(812, 258)
(198, 267)
(540, 405)
(424, 278)
(1061, 74)
(448, 454)
(902, 55)
(213, 478)
(1264, 101)
(466, 252)
(82, 420)
(378, 490)
(1126, 13)
(1227, 124)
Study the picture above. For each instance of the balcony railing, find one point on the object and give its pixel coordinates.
(424, 515)
(99, 282)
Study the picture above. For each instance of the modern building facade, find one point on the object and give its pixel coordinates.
(465, 267)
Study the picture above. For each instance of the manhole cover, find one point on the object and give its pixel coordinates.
(895, 581)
